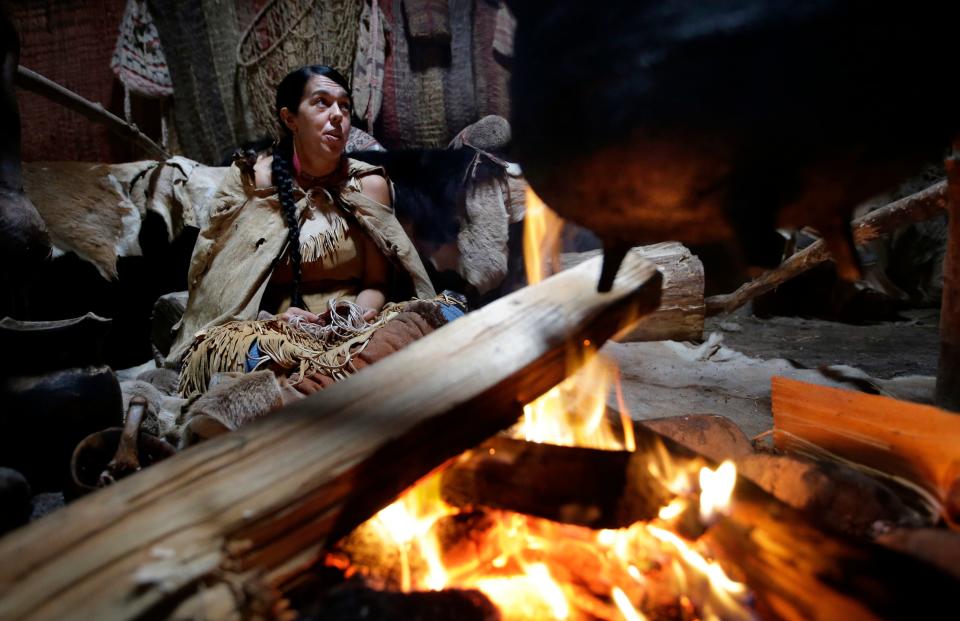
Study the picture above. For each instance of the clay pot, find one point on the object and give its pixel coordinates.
(112, 454)
(55, 391)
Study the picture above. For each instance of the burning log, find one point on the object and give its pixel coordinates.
(907, 440)
(681, 311)
(796, 568)
(240, 516)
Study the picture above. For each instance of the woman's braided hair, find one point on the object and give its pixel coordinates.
(289, 94)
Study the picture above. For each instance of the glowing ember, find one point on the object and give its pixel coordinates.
(534, 569)
(716, 487)
(625, 607)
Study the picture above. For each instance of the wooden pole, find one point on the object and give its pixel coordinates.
(914, 208)
(34, 82)
(223, 523)
(948, 371)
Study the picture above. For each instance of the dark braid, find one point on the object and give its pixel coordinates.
(283, 181)
(289, 93)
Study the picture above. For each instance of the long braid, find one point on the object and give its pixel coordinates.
(283, 180)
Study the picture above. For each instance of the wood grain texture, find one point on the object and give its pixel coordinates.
(681, 312)
(920, 443)
(255, 506)
(797, 567)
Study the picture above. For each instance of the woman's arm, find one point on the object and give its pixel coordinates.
(376, 269)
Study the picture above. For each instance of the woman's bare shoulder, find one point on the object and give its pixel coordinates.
(375, 186)
(263, 173)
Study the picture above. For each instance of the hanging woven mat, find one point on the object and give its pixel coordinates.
(287, 34)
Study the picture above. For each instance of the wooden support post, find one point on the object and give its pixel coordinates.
(948, 371)
(223, 523)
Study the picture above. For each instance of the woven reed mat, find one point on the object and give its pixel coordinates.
(491, 78)
(287, 34)
(71, 44)
(427, 20)
(459, 95)
(368, 64)
(199, 53)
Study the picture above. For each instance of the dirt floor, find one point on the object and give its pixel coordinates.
(729, 373)
(883, 350)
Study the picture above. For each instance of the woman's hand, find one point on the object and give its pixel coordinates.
(306, 315)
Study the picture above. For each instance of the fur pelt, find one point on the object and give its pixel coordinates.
(164, 380)
(96, 210)
(139, 388)
(457, 203)
(234, 400)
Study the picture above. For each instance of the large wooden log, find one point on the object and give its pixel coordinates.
(233, 517)
(797, 568)
(680, 314)
(919, 443)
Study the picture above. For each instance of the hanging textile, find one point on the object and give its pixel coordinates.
(200, 40)
(369, 64)
(138, 59)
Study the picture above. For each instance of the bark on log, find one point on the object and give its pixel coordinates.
(252, 508)
(914, 208)
(681, 312)
(919, 443)
(35, 83)
(797, 568)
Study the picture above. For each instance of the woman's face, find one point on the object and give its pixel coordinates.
(322, 121)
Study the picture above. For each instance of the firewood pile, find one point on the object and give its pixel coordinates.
(389, 499)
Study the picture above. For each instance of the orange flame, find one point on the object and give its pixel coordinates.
(541, 239)
(520, 562)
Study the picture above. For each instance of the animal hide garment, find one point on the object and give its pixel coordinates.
(96, 210)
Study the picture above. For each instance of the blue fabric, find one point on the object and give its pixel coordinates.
(253, 358)
(450, 311)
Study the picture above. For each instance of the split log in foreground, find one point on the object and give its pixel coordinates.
(919, 443)
(680, 314)
(914, 208)
(797, 569)
(229, 519)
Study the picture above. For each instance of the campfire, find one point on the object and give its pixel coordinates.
(533, 568)
(434, 538)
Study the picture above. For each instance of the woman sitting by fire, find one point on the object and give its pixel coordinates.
(310, 235)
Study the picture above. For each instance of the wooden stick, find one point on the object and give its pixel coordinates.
(796, 568)
(914, 208)
(253, 507)
(920, 443)
(947, 393)
(681, 312)
(34, 82)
